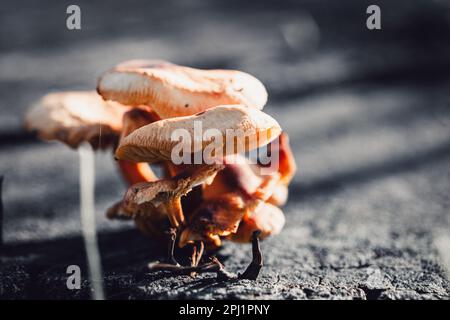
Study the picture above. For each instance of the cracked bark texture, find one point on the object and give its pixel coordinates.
(367, 112)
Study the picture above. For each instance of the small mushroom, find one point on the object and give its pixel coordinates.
(168, 192)
(153, 142)
(175, 91)
(76, 116)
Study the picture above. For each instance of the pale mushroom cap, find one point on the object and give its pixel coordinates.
(156, 141)
(174, 91)
(75, 116)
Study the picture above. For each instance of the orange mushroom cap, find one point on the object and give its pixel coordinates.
(154, 142)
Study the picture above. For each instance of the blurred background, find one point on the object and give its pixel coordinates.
(368, 113)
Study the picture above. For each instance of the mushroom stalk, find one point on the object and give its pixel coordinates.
(134, 172)
(173, 237)
(197, 253)
(175, 212)
(255, 266)
(87, 209)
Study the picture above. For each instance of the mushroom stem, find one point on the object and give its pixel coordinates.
(131, 171)
(87, 212)
(170, 254)
(175, 212)
(253, 269)
(135, 172)
(197, 253)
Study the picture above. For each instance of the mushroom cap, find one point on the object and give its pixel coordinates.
(156, 141)
(75, 116)
(165, 190)
(175, 91)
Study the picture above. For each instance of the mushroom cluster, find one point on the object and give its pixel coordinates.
(135, 111)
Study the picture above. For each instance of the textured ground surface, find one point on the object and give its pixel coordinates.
(368, 114)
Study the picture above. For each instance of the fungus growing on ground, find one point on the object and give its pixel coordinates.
(154, 142)
(158, 112)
